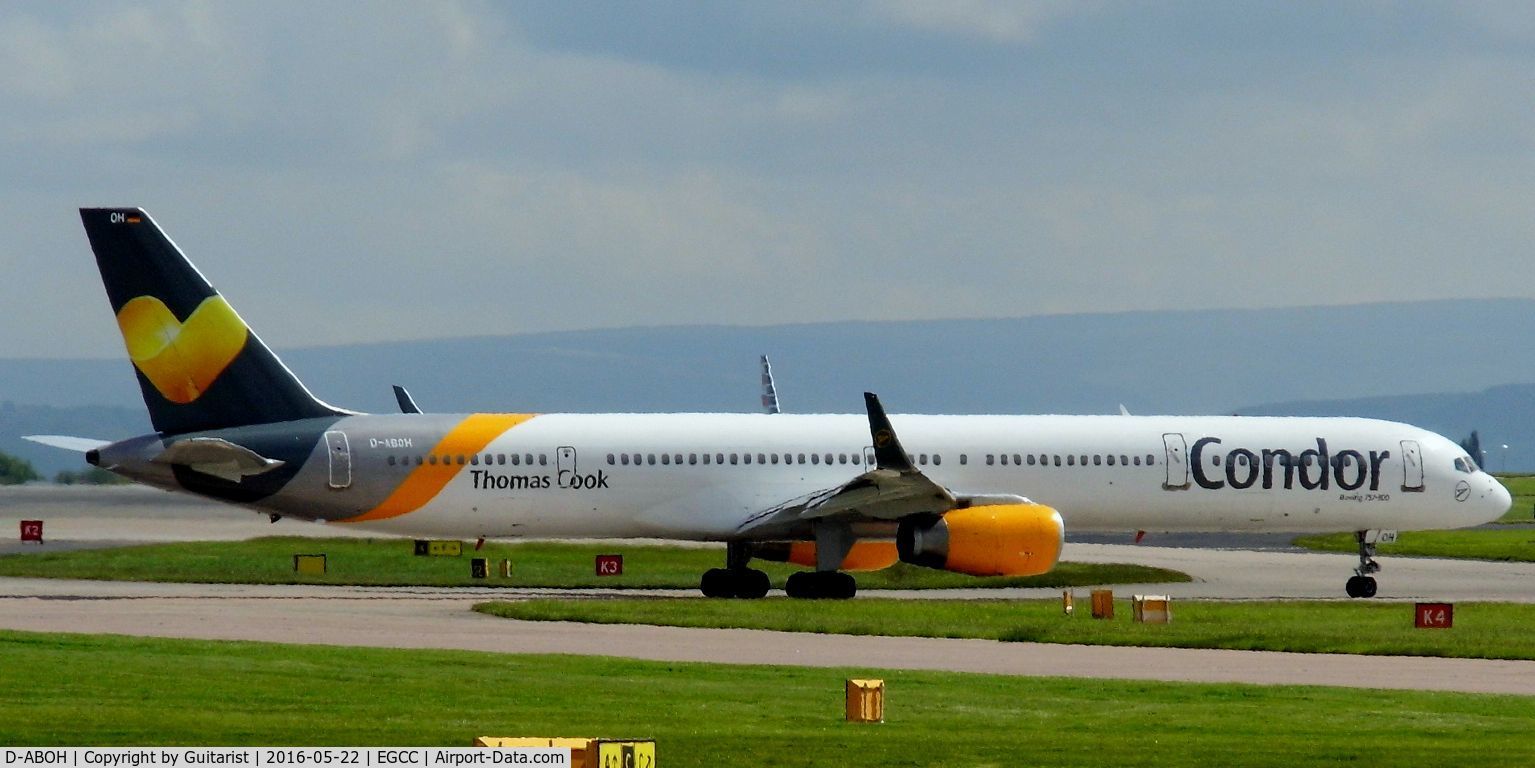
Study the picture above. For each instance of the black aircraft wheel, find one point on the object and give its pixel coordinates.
(1360, 586)
(748, 583)
(752, 584)
(801, 585)
(717, 583)
(816, 585)
(842, 587)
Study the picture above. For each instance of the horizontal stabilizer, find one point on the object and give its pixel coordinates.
(217, 457)
(81, 444)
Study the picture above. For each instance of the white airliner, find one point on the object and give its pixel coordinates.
(983, 495)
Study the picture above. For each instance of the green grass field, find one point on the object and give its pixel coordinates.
(1513, 540)
(1522, 487)
(1482, 630)
(390, 562)
(1508, 543)
(73, 690)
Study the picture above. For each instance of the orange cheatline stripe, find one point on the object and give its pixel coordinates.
(426, 481)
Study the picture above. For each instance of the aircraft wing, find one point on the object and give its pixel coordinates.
(891, 490)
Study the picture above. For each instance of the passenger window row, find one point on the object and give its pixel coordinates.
(487, 459)
(1069, 460)
(761, 459)
(666, 459)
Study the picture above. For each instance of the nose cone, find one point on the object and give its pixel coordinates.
(1497, 500)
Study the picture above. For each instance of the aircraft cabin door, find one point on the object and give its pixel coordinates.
(1177, 461)
(565, 461)
(1412, 466)
(340, 453)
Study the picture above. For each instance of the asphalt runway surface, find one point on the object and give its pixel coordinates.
(441, 618)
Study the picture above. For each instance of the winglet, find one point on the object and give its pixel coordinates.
(407, 403)
(887, 447)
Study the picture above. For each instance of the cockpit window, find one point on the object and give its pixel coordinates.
(1466, 465)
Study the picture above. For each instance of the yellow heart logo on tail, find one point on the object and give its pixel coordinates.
(181, 359)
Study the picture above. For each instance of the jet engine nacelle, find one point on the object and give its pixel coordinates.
(864, 556)
(988, 540)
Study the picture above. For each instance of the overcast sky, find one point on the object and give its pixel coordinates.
(359, 172)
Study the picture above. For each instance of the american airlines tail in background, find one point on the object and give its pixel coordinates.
(983, 495)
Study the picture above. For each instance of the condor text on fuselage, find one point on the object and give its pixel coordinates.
(1312, 469)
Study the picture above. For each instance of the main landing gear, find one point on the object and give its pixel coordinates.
(735, 579)
(739, 581)
(833, 540)
(834, 585)
(748, 583)
(1362, 584)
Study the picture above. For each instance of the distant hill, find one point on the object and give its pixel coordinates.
(1501, 415)
(1216, 361)
(1171, 362)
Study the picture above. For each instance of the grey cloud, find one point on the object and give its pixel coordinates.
(357, 172)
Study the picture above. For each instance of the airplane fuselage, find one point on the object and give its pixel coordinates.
(980, 495)
(705, 476)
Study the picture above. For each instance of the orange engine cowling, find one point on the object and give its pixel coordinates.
(991, 540)
(864, 556)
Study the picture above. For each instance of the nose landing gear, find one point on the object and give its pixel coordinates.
(1362, 584)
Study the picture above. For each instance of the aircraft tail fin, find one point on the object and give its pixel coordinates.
(769, 391)
(199, 366)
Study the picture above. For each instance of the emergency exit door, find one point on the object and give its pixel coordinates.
(1177, 461)
(1412, 466)
(340, 453)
